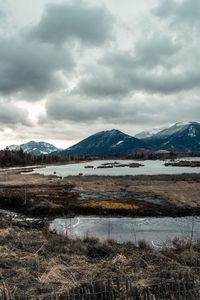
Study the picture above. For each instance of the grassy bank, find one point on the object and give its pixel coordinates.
(51, 196)
(36, 256)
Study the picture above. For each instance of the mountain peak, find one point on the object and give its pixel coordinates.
(180, 137)
(108, 142)
(182, 123)
(113, 130)
(110, 132)
(36, 148)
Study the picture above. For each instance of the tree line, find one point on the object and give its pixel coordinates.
(9, 158)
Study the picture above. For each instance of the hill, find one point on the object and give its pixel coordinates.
(110, 142)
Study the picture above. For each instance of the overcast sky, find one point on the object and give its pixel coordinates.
(72, 68)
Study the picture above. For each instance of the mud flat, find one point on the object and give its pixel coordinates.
(52, 196)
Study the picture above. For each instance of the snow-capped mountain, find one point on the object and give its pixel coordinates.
(106, 143)
(148, 134)
(180, 137)
(177, 127)
(36, 148)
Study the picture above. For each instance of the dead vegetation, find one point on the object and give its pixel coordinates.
(36, 256)
(179, 190)
(39, 195)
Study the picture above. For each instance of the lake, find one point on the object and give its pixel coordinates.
(151, 167)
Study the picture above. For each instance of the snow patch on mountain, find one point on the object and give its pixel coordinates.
(176, 128)
(147, 134)
(192, 131)
(119, 142)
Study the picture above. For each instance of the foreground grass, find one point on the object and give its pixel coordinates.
(38, 256)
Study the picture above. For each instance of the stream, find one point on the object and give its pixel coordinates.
(155, 231)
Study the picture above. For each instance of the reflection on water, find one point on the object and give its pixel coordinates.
(156, 230)
(150, 167)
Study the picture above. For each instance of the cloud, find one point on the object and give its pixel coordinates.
(2, 14)
(186, 11)
(137, 110)
(157, 64)
(11, 114)
(63, 22)
(156, 49)
(31, 64)
(102, 82)
(76, 108)
(31, 67)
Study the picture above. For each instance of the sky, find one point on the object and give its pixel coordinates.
(69, 69)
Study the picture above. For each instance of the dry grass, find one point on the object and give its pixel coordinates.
(51, 195)
(107, 205)
(30, 255)
(179, 190)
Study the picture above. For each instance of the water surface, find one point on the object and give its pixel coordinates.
(153, 230)
(151, 167)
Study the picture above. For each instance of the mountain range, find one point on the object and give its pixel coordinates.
(180, 137)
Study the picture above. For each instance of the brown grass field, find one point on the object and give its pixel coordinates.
(36, 194)
(36, 256)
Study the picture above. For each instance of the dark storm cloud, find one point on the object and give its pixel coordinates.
(145, 75)
(138, 109)
(76, 19)
(159, 79)
(78, 109)
(157, 66)
(10, 114)
(157, 49)
(31, 67)
(186, 12)
(103, 83)
(153, 66)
